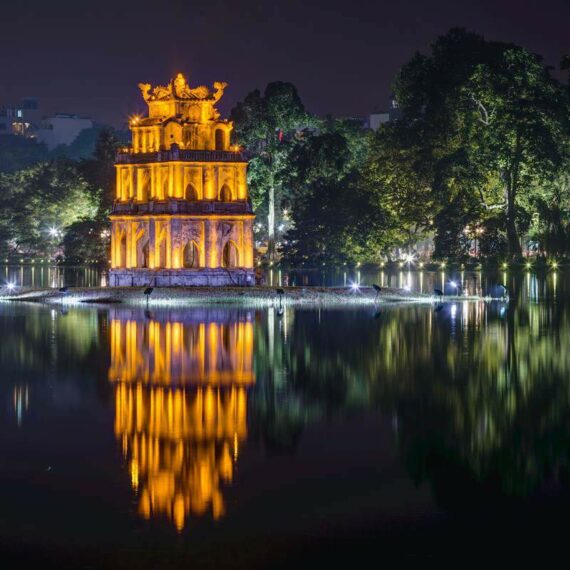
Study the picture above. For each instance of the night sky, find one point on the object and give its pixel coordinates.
(87, 57)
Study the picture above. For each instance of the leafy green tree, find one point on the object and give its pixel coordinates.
(99, 171)
(480, 119)
(336, 216)
(522, 125)
(87, 240)
(265, 125)
(39, 203)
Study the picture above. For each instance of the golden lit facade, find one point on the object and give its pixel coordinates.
(182, 214)
(181, 407)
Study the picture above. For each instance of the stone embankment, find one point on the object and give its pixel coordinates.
(252, 296)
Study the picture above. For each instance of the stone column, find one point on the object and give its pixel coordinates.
(178, 181)
(113, 244)
(241, 184)
(175, 241)
(171, 187)
(203, 258)
(131, 181)
(209, 182)
(153, 178)
(118, 182)
(247, 227)
(152, 243)
(168, 244)
(211, 243)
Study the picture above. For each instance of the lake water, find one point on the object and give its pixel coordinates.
(223, 436)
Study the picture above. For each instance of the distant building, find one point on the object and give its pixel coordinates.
(22, 119)
(61, 129)
(377, 118)
(25, 119)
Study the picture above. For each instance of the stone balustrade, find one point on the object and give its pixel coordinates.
(180, 206)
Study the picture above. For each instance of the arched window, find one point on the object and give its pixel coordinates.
(190, 193)
(191, 256)
(225, 194)
(230, 255)
(220, 139)
(164, 189)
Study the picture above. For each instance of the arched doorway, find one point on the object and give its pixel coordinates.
(225, 194)
(220, 139)
(143, 255)
(191, 256)
(190, 193)
(230, 255)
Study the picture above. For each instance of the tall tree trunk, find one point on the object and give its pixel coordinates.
(513, 241)
(271, 222)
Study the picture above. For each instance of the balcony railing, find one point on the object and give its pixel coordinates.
(178, 206)
(130, 157)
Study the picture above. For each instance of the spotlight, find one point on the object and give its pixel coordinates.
(10, 286)
(355, 286)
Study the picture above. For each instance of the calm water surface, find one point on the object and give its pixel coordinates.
(222, 436)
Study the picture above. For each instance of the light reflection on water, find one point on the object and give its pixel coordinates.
(181, 383)
(42, 275)
(201, 404)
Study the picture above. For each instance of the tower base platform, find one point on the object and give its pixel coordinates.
(219, 277)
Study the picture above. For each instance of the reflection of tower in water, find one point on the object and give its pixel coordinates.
(181, 405)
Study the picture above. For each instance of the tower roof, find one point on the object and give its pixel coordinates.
(178, 99)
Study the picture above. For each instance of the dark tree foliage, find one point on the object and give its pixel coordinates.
(49, 195)
(17, 153)
(99, 171)
(337, 217)
(481, 118)
(87, 240)
(265, 125)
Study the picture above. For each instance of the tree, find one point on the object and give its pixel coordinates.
(482, 121)
(522, 126)
(47, 196)
(17, 153)
(86, 239)
(265, 125)
(99, 171)
(336, 216)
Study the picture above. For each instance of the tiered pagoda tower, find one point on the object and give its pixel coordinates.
(182, 215)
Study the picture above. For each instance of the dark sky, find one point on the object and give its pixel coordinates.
(87, 57)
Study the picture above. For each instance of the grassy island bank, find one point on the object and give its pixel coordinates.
(261, 296)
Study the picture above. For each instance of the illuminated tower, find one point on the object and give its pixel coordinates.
(182, 215)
